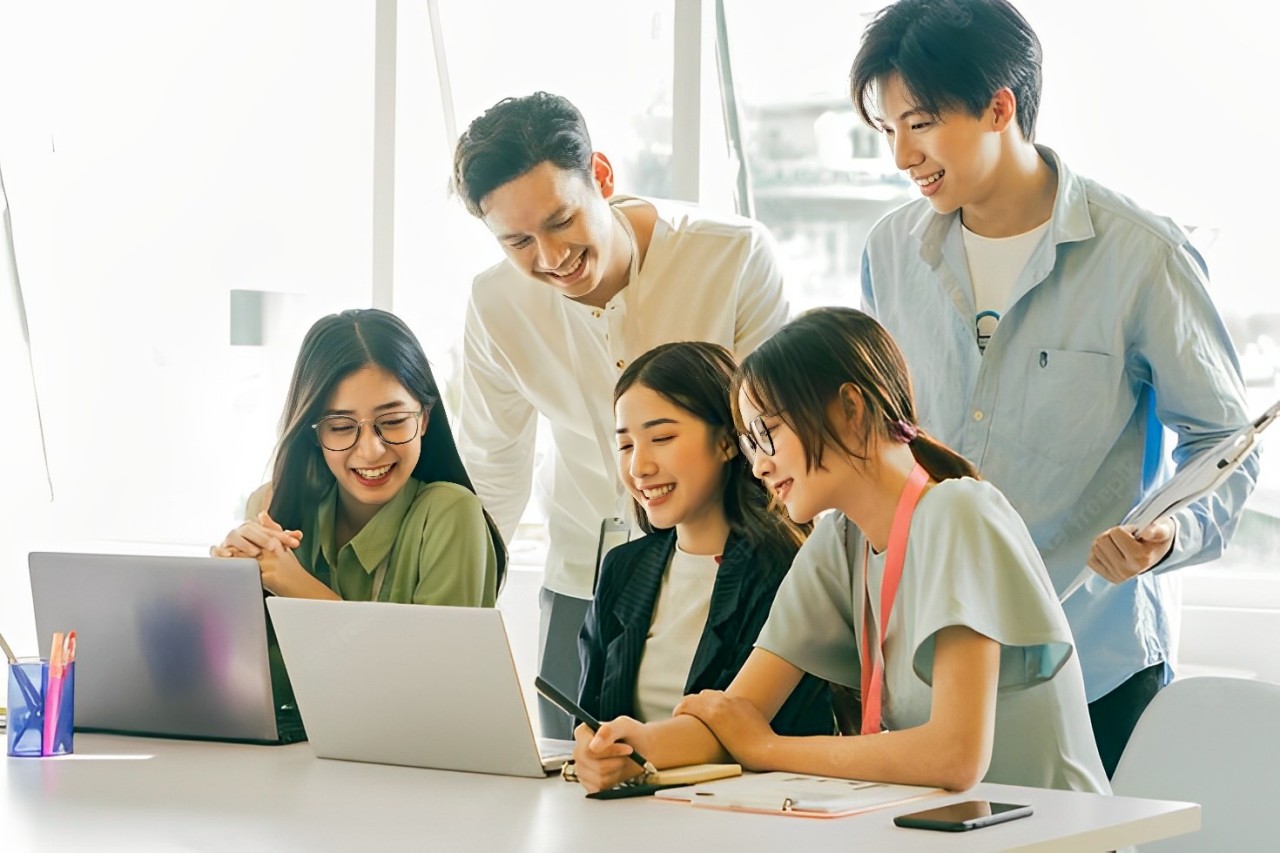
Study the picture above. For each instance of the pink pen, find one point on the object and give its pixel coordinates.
(68, 658)
(52, 694)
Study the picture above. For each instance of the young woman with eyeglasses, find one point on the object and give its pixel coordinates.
(924, 589)
(368, 499)
(678, 610)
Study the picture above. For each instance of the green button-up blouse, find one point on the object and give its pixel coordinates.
(432, 537)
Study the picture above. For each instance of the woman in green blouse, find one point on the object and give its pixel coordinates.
(368, 499)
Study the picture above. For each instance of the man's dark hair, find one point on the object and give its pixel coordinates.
(512, 137)
(951, 54)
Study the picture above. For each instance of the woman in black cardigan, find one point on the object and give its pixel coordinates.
(678, 610)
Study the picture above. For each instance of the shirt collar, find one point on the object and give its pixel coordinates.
(373, 543)
(620, 298)
(1070, 219)
(584, 310)
(1069, 222)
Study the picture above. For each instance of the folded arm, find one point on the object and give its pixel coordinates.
(951, 750)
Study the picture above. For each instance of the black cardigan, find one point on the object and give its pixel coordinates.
(612, 638)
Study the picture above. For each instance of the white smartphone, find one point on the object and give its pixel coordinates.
(613, 532)
(961, 817)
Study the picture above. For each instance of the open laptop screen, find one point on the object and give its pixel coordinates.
(409, 684)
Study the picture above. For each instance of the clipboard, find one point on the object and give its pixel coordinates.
(796, 795)
(1200, 476)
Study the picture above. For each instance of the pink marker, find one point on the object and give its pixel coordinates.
(53, 693)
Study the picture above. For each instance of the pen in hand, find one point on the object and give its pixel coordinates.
(564, 703)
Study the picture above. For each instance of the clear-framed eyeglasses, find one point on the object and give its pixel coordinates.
(339, 432)
(757, 439)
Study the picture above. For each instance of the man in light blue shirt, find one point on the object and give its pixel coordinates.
(1052, 327)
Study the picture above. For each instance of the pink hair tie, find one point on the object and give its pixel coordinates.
(903, 431)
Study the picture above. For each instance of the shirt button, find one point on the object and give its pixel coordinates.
(977, 415)
(596, 313)
(621, 364)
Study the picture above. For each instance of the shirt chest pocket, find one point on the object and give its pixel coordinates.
(1074, 404)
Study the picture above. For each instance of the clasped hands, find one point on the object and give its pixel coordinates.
(272, 546)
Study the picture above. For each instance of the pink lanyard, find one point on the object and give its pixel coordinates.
(873, 671)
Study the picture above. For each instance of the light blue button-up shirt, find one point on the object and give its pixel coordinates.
(1108, 328)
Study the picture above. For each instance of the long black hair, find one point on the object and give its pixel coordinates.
(696, 376)
(335, 347)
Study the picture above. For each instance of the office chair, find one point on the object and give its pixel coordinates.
(1214, 741)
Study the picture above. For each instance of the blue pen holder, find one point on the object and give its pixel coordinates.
(28, 691)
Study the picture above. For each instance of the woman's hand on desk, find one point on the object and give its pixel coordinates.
(738, 724)
(600, 760)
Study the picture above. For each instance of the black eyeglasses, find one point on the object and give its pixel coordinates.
(757, 439)
(339, 432)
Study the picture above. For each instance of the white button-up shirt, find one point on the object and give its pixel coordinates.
(528, 350)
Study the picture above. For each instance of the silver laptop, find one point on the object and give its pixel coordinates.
(171, 646)
(410, 684)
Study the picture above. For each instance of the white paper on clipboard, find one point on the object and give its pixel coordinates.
(1200, 476)
(796, 794)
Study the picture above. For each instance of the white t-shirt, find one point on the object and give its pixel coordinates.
(528, 350)
(994, 266)
(971, 562)
(679, 617)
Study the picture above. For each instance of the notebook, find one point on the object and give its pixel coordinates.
(168, 646)
(410, 684)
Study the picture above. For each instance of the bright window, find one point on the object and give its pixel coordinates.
(192, 187)
(181, 152)
(625, 97)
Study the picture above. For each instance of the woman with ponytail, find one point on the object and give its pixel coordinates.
(923, 590)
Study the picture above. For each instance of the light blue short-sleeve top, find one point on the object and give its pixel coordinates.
(970, 562)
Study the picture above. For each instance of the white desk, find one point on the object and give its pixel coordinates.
(149, 794)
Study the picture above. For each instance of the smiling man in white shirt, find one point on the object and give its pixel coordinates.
(592, 280)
